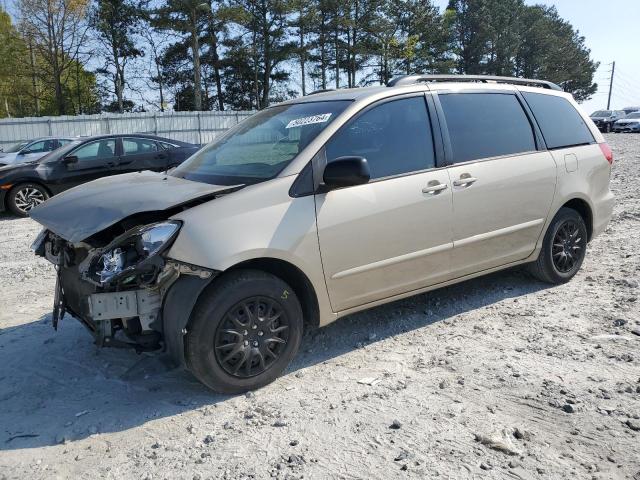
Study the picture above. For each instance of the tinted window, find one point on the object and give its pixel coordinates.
(483, 125)
(136, 146)
(96, 150)
(37, 147)
(394, 137)
(561, 124)
(167, 146)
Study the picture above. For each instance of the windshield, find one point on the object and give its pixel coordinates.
(261, 146)
(633, 115)
(601, 113)
(16, 148)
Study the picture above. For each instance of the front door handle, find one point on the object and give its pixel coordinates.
(434, 187)
(465, 180)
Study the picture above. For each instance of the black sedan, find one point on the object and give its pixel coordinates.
(24, 186)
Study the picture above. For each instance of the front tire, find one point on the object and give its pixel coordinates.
(563, 249)
(245, 330)
(25, 197)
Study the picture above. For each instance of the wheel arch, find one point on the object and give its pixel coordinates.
(584, 209)
(290, 274)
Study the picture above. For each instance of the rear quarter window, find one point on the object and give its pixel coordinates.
(484, 125)
(561, 124)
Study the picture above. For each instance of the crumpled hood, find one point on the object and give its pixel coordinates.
(83, 211)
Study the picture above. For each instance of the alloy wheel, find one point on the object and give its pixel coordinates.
(28, 198)
(568, 246)
(251, 337)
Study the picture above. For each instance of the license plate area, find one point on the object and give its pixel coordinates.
(110, 306)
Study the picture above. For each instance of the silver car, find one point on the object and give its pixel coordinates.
(323, 206)
(28, 151)
(629, 124)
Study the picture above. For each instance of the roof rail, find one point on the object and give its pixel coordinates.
(413, 79)
(322, 90)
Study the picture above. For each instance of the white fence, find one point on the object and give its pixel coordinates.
(194, 127)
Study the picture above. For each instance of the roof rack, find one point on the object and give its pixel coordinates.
(322, 90)
(413, 79)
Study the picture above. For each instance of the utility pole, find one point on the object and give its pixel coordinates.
(613, 71)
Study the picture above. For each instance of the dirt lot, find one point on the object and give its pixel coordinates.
(500, 377)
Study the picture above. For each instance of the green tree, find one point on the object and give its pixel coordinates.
(14, 83)
(264, 26)
(115, 22)
(188, 18)
(303, 23)
(58, 30)
(551, 49)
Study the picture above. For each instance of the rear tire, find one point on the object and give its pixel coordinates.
(245, 330)
(563, 248)
(26, 196)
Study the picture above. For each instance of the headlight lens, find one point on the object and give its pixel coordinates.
(131, 254)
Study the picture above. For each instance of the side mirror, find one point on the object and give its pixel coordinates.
(24, 152)
(346, 172)
(70, 160)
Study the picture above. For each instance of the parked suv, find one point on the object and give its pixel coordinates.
(604, 119)
(323, 206)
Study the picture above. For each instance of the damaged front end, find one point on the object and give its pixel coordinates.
(118, 289)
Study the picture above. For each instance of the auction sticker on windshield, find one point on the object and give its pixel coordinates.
(299, 122)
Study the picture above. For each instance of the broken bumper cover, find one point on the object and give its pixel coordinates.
(151, 308)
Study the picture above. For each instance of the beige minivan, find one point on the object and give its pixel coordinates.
(323, 206)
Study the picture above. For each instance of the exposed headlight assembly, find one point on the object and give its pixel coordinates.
(133, 255)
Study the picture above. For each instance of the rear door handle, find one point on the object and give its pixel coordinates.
(433, 189)
(464, 181)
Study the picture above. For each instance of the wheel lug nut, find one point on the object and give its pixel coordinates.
(260, 333)
(255, 344)
(254, 326)
(245, 333)
(246, 343)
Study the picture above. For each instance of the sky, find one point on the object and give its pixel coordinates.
(610, 30)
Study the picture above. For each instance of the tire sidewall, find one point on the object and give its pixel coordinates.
(215, 302)
(11, 198)
(563, 216)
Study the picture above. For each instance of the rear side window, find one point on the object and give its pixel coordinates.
(561, 124)
(137, 146)
(484, 125)
(395, 138)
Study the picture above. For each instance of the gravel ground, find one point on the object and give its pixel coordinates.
(498, 377)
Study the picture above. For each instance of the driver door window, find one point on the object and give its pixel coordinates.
(99, 150)
(96, 154)
(37, 147)
(394, 137)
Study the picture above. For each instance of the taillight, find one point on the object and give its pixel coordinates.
(606, 151)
